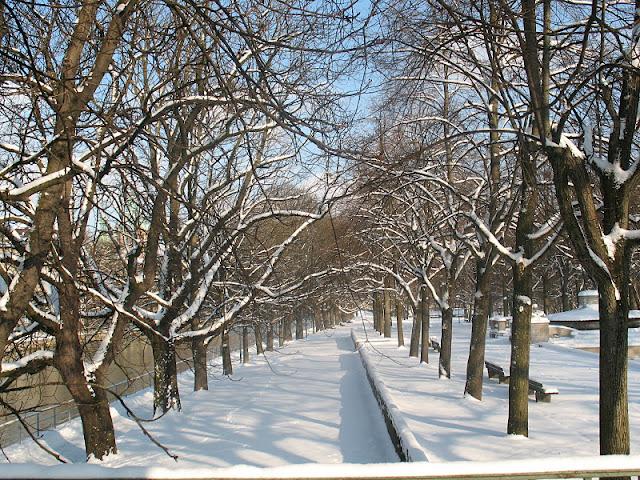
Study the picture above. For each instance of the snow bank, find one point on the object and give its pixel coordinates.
(407, 447)
(591, 466)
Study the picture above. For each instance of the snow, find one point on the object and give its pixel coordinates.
(303, 411)
(565, 142)
(307, 403)
(538, 316)
(551, 468)
(590, 312)
(37, 185)
(450, 428)
(409, 444)
(22, 362)
(613, 170)
(588, 293)
(591, 339)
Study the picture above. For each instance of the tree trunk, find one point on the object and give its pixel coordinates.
(505, 298)
(199, 354)
(518, 423)
(299, 326)
(414, 344)
(545, 293)
(92, 402)
(399, 319)
(424, 324)
(97, 425)
(288, 336)
(257, 333)
(377, 311)
(475, 362)
(281, 333)
(634, 296)
(165, 375)
(387, 306)
(270, 337)
(444, 364)
(227, 365)
(614, 413)
(564, 291)
(245, 345)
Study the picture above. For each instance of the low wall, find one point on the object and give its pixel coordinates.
(405, 443)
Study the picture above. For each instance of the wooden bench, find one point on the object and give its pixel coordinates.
(434, 344)
(543, 394)
(496, 371)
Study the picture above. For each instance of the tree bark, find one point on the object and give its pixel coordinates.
(376, 312)
(270, 337)
(424, 324)
(414, 344)
(387, 306)
(564, 289)
(475, 362)
(245, 344)
(299, 326)
(225, 347)
(399, 320)
(92, 402)
(199, 354)
(257, 329)
(614, 401)
(165, 375)
(444, 364)
(288, 336)
(545, 293)
(281, 333)
(518, 422)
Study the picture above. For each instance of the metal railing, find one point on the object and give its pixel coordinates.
(49, 418)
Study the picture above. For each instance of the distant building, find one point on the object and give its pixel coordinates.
(587, 316)
(500, 325)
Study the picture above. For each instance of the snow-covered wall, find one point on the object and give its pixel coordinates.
(405, 443)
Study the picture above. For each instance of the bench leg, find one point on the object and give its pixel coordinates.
(543, 397)
(504, 379)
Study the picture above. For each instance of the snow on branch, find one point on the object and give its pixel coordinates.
(27, 363)
(31, 188)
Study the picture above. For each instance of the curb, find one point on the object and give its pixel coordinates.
(404, 442)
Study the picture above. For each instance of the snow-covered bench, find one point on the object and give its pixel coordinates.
(543, 394)
(433, 341)
(496, 371)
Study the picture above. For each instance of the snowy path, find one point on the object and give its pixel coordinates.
(310, 403)
(451, 427)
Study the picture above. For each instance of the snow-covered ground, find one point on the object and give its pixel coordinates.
(451, 427)
(311, 403)
(308, 403)
(591, 338)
